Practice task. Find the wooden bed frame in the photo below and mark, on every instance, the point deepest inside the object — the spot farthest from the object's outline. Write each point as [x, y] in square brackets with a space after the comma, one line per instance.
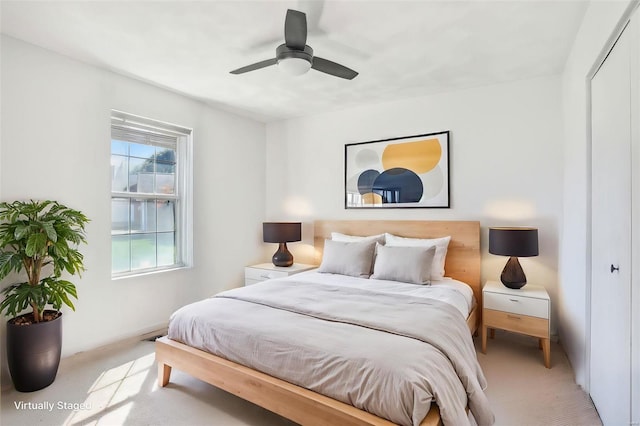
[302, 405]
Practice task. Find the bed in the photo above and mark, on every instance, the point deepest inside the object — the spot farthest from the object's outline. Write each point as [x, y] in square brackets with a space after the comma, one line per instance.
[298, 403]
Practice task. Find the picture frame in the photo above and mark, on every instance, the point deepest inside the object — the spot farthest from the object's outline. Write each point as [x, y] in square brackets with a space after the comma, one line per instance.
[402, 172]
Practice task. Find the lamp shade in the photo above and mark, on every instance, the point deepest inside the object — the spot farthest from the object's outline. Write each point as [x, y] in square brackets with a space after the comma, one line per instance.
[516, 242]
[281, 232]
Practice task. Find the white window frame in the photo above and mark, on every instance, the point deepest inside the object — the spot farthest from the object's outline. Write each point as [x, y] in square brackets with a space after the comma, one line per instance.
[183, 194]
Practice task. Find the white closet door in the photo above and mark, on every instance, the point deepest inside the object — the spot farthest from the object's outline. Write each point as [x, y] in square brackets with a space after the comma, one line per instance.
[610, 367]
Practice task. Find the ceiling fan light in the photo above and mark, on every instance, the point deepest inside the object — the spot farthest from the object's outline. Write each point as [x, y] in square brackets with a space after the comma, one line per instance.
[294, 66]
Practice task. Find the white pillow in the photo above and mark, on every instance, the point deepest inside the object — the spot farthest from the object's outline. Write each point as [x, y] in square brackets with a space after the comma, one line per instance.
[336, 236]
[348, 258]
[405, 264]
[441, 245]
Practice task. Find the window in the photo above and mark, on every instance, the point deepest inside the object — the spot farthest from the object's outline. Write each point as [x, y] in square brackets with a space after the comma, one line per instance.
[150, 195]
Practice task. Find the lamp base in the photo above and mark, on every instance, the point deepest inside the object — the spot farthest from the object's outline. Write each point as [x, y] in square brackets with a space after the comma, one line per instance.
[283, 256]
[512, 275]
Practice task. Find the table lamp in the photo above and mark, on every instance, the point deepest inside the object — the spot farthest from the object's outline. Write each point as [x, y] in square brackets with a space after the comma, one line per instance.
[513, 242]
[281, 233]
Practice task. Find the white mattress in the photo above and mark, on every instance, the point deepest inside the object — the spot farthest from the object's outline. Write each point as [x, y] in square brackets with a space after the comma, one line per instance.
[448, 290]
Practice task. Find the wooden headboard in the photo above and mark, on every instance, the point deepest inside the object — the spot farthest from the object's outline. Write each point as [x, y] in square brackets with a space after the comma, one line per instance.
[463, 255]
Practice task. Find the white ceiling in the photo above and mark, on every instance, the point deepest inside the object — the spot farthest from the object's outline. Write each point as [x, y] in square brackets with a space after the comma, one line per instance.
[400, 48]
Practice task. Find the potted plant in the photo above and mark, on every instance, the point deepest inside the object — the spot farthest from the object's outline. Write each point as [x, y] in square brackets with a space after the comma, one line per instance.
[38, 243]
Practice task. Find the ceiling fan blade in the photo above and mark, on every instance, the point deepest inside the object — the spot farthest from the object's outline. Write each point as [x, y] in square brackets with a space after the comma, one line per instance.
[255, 66]
[329, 67]
[295, 30]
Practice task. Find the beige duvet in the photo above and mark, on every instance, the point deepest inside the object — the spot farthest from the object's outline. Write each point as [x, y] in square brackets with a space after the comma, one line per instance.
[388, 354]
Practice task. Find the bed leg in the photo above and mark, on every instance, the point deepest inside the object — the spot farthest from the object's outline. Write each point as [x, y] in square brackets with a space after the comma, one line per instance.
[164, 374]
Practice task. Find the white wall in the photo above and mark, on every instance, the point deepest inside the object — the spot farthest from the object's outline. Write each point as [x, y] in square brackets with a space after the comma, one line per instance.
[505, 167]
[55, 145]
[597, 27]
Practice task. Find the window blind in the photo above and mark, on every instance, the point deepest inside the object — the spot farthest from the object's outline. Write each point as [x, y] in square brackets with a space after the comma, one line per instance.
[137, 135]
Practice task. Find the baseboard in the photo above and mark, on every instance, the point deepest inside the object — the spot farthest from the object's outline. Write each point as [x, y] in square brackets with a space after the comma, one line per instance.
[130, 339]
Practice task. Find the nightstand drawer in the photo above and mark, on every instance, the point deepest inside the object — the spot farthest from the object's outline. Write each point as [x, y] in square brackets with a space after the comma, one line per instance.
[531, 326]
[517, 304]
[263, 274]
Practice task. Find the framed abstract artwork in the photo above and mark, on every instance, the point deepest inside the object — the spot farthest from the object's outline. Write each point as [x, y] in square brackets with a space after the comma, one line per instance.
[404, 172]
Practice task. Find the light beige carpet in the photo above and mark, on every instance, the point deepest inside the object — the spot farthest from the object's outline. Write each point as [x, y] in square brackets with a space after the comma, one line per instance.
[523, 392]
[117, 386]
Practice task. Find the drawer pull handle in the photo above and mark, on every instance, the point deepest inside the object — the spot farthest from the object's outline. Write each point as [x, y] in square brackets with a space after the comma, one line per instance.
[265, 276]
[513, 317]
[514, 300]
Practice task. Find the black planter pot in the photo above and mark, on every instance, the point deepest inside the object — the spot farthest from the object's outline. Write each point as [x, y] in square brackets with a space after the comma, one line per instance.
[33, 353]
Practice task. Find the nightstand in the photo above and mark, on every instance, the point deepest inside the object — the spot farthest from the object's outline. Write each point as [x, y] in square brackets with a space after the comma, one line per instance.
[255, 273]
[524, 311]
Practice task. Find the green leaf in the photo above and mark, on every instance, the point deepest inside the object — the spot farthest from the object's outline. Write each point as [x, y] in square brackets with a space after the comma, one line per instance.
[50, 231]
[18, 298]
[21, 230]
[57, 291]
[35, 244]
[9, 261]
[68, 287]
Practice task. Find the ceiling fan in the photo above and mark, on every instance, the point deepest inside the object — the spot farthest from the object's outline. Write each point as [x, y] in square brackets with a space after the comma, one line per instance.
[294, 56]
